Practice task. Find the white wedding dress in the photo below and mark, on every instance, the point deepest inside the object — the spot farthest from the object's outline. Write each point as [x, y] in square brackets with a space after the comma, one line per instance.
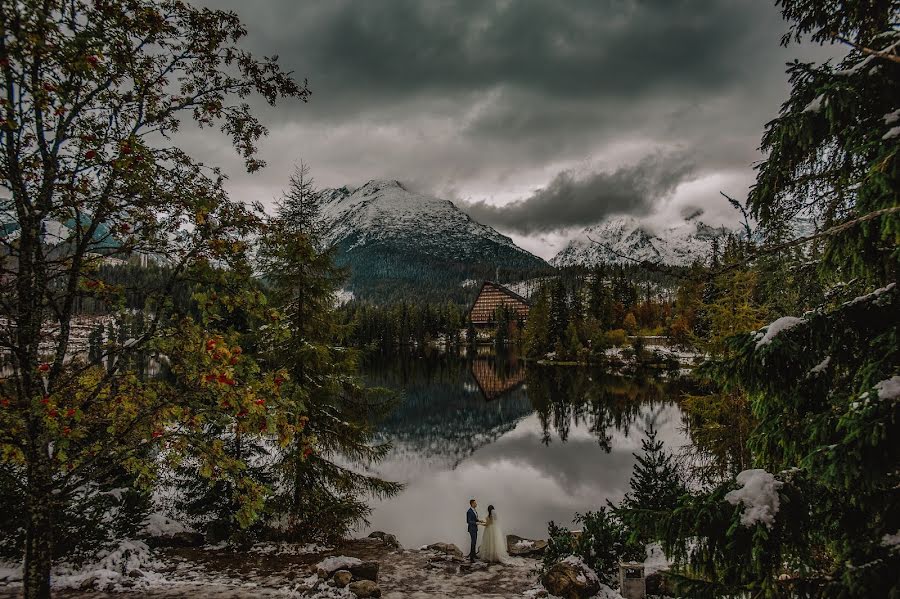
[493, 545]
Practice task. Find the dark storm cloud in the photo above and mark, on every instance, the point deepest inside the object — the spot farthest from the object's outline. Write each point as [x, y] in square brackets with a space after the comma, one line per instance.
[572, 201]
[489, 99]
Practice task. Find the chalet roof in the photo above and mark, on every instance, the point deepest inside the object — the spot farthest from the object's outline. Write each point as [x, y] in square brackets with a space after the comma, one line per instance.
[490, 297]
[505, 290]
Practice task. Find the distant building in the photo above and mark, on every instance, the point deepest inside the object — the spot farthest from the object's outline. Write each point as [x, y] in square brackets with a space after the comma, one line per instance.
[492, 296]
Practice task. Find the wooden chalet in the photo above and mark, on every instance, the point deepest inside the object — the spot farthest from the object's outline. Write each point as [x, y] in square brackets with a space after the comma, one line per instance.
[492, 296]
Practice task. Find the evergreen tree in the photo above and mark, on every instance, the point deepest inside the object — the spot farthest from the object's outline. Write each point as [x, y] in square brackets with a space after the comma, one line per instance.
[321, 491]
[559, 311]
[537, 330]
[656, 481]
[817, 516]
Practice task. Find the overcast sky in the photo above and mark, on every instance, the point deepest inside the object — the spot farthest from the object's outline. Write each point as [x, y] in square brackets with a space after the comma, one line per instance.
[537, 117]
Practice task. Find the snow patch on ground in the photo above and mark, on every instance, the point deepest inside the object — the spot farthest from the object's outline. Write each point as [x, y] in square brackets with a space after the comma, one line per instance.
[773, 329]
[759, 495]
[656, 559]
[158, 524]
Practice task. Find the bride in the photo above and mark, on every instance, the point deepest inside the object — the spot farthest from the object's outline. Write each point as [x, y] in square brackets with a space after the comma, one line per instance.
[493, 547]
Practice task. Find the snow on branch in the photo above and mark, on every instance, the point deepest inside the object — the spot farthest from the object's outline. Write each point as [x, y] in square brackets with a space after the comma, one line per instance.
[759, 495]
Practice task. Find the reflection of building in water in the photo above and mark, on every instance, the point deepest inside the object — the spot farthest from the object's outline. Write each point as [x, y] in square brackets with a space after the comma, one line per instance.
[495, 380]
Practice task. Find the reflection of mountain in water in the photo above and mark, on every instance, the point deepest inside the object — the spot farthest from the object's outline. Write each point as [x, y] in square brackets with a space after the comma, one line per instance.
[442, 416]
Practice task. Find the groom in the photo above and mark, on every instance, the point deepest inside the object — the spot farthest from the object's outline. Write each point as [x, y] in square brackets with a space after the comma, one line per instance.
[472, 522]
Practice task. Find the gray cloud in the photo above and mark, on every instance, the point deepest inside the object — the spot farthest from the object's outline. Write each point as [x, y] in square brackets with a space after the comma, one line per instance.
[570, 200]
[491, 99]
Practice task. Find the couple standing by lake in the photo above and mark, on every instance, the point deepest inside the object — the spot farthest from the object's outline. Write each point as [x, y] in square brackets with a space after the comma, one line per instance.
[493, 545]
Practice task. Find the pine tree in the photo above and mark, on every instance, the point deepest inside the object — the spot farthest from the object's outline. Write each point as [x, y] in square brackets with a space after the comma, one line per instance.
[656, 481]
[537, 330]
[817, 516]
[559, 311]
[322, 491]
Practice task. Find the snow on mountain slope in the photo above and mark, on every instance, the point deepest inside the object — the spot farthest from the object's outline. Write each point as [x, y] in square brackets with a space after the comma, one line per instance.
[396, 241]
[624, 238]
[383, 209]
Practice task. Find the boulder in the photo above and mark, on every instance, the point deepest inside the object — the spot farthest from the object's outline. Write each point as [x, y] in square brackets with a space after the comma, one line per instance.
[365, 571]
[448, 548]
[386, 538]
[571, 579]
[365, 588]
[330, 565]
[519, 546]
[342, 578]
[178, 539]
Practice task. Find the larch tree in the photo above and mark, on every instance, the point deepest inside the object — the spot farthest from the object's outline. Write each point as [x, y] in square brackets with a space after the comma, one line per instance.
[93, 95]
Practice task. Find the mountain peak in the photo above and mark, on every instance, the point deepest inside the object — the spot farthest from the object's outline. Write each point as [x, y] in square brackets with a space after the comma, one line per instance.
[622, 238]
[373, 185]
[385, 232]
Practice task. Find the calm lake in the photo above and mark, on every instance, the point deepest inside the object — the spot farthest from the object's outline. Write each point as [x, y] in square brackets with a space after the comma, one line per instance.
[539, 443]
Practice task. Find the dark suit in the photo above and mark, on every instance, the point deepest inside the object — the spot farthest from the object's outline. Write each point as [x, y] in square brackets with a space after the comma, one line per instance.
[472, 523]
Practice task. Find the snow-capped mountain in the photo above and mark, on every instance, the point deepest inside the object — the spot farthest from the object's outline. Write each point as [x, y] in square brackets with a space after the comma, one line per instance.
[624, 239]
[394, 239]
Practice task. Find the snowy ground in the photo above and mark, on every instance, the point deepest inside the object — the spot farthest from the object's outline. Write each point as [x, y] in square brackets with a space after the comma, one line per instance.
[277, 571]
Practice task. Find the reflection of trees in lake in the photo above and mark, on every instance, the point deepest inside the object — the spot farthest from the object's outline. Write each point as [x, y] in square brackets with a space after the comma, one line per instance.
[442, 414]
[450, 406]
[602, 401]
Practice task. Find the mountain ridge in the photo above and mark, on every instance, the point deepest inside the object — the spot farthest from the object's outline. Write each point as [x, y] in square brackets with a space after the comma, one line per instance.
[397, 242]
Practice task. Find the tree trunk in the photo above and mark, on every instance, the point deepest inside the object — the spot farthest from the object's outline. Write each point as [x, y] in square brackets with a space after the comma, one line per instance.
[39, 533]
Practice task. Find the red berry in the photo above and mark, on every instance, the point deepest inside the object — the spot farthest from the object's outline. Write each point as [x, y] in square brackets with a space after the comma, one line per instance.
[4, 402]
[233, 361]
[45, 400]
[260, 402]
[53, 413]
[242, 413]
[210, 378]
[70, 412]
[44, 367]
[90, 154]
[66, 431]
[307, 451]
[157, 434]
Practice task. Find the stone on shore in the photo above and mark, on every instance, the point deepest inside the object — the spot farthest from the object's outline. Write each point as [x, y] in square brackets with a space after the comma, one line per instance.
[364, 589]
[448, 548]
[365, 571]
[342, 578]
[386, 538]
[571, 579]
[519, 546]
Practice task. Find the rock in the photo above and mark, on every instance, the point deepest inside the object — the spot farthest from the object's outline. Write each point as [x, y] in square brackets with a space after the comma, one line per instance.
[448, 548]
[178, 539]
[135, 574]
[365, 571]
[365, 588]
[342, 578]
[571, 579]
[386, 538]
[519, 546]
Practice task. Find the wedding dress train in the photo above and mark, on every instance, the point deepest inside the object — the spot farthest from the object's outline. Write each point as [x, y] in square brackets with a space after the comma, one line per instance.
[493, 545]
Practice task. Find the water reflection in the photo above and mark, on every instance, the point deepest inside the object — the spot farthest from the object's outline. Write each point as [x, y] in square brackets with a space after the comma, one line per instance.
[540, 443]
